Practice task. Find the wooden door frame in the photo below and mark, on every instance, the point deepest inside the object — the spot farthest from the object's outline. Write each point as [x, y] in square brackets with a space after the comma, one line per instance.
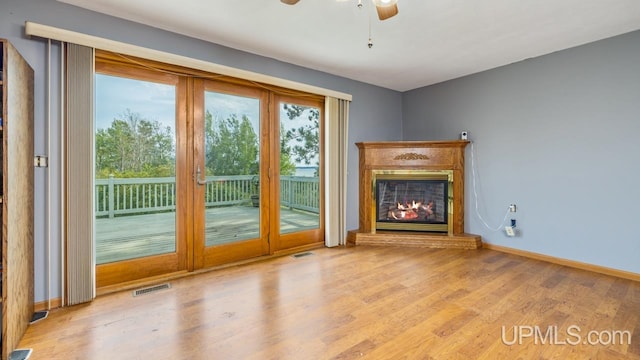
[191, 254]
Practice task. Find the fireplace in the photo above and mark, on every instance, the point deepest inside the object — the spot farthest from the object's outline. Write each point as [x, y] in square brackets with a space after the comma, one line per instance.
[413, 200]
[412, 194]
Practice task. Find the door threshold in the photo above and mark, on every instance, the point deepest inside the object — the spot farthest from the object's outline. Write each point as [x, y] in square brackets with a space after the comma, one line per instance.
[130, 285]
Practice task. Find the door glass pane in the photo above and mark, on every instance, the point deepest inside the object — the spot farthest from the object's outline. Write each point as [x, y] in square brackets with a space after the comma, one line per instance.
[299, 168]
[135, 183]
[232, 165]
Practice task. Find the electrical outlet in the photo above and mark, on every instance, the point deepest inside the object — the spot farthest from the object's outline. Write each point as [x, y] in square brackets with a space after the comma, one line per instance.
[509, 230]
[464, 135]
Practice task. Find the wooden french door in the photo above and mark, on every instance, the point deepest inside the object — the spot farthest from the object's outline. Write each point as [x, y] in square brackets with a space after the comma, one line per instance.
[142, 173]
[297, 213]
[194, 172]
[231, 168]
[248, 133]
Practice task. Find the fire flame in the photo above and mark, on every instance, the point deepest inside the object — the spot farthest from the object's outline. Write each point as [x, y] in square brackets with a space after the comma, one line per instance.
[409, 211]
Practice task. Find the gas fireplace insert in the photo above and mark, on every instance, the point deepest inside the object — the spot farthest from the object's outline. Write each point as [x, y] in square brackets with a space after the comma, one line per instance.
[413, 200]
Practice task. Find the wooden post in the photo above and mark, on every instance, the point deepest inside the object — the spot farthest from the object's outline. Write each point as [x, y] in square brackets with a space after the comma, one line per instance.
[111, 195]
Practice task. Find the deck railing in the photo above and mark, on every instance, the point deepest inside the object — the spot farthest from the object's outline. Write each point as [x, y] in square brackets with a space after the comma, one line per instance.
[300, 192]
[129, 196]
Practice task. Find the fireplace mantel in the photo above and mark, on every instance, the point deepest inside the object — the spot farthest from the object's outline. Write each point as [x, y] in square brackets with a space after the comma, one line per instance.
[412, 155]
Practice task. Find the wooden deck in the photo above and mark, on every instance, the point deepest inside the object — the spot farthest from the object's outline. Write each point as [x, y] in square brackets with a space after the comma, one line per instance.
[135, 236]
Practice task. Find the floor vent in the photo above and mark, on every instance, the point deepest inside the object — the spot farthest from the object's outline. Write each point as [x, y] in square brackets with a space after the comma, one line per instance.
[20, 354]
[151, 289]
[38, 315]
[302, 254]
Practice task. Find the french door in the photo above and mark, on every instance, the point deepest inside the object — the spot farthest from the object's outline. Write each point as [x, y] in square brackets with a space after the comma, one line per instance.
[231, 172]
[194, 172]
[250, 137]
[298, 192]
[141, 174]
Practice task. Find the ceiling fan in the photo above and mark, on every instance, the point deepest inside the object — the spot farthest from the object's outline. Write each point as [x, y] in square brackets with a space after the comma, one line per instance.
[385, 8]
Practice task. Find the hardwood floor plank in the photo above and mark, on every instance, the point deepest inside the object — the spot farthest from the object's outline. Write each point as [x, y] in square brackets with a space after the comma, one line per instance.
[354, 302]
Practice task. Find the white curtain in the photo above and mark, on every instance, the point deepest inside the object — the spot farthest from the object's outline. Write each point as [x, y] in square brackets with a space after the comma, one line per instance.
[336, 126]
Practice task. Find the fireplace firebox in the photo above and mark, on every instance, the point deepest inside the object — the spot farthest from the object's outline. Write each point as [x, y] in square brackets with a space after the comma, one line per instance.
[413, 200]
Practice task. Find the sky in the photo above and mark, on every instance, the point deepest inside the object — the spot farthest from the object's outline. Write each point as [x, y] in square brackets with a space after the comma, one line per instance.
[154, 101]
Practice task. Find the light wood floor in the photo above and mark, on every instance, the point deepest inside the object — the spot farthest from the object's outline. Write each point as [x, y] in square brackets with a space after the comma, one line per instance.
[355, 303]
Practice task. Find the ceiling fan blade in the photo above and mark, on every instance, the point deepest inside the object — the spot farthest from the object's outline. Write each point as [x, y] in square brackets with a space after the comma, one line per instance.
[290, 2]
[386, 11]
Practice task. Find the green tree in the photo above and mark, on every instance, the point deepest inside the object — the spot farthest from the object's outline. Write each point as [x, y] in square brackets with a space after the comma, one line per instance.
[134, 147]
[304, 141]
[287, 166]
[231, 146]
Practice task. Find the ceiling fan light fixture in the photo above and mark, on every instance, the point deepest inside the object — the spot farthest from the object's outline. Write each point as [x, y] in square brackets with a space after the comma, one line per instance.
[385, 2]
[386, 8]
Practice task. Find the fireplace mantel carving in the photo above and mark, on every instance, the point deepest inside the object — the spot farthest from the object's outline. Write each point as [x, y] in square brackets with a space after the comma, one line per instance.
[418, 156]
[411, 156]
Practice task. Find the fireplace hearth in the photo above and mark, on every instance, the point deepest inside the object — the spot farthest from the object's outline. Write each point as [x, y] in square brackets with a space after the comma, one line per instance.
[412, 194]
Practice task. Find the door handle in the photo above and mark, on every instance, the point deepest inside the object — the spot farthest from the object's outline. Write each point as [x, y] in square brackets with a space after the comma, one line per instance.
[198, 180]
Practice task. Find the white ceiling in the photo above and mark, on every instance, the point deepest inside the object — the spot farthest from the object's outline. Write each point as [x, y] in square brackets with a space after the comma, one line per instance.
[429, 41]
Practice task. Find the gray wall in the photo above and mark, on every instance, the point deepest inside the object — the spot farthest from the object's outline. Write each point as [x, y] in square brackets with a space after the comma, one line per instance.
[375, 112]
[556, 135]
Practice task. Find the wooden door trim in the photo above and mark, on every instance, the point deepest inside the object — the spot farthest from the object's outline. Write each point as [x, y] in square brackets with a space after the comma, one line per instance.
[135, 269]
[197, 160]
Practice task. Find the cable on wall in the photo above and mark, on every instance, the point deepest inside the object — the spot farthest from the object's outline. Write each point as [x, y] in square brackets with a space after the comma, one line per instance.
[475, 196]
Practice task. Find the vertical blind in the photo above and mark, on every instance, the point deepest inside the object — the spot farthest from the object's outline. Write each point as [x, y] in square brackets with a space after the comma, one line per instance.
[80, 252]
[337, 123]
